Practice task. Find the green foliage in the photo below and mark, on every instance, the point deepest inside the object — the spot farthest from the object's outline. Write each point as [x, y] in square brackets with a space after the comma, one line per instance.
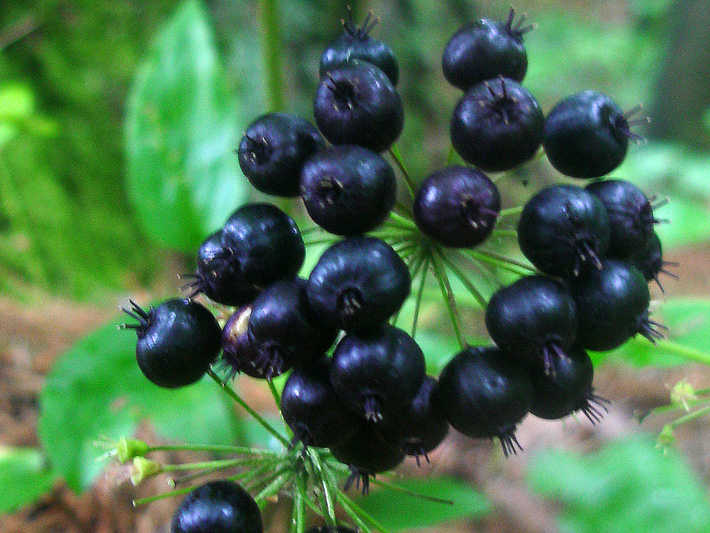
[96, 389]
[626, 486]
[24, 476]
[181, 131]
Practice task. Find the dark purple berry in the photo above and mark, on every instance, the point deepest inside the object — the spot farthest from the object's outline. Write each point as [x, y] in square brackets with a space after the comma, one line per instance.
[457, 206]
[177, 341]
[273, 150]
[312, 410]
[265, 243]
[486, 49]
[348, 190]
[358, 283]
[483, 395]
[497, 125]
[650, 262]
[238, 354]
[612, 307]
[587, 135]
[377, 372]
[218, 507]
[564, 230]
[533, 320]
[356, 43]
[357, 104]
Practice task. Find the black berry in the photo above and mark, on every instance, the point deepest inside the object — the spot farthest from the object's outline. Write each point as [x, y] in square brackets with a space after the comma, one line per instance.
[649, 260]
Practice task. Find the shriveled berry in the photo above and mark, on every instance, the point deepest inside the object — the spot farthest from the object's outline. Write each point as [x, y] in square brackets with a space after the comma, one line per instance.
[486, 49]
[587, 135]
[177, 341]
[218, 507]
[273, 150]
[357, 104]
[348, 189]
[311, 408]
[377, 372]
[564, 230]
[497, 125]
[533, 320]
[483, 395]
[356, 43]
[358, 283]
[612, 307]
[457, 206]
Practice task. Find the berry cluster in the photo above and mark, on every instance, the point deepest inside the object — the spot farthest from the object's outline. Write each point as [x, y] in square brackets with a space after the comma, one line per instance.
[357, 383]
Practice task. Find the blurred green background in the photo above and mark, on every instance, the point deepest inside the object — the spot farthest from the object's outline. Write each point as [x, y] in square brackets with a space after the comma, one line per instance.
[110, 177]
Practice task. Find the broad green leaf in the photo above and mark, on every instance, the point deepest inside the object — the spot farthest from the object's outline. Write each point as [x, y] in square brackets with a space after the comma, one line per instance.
[96, 390]
[24, 476]
[626, 486]
[182, 127]
[398, 511]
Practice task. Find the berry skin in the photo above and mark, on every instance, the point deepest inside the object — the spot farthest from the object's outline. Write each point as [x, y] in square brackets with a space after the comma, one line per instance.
[238, 355]
[265, 243]
[612, 307]
[535, 319]
[312, 410]
[497, 125]
[377, 372]
[483, 395]
[177, 341]
[218, 507]
[348, 190]
[356, 43]
[630, 212]
[358, 283]
[273, 150]
[564, 231]
[486, 49]
[587, 135]
[357, 104]
[457, 206]
[649, 261]
[283, 331]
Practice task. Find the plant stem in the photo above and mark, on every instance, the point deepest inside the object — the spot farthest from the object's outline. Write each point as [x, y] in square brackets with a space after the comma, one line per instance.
[274, 393]
[466, 282]
[505, 232]
[347, 503]
[426, 261]
[690, 416]
[271, 30]
[328, 495]
[214, 448]
[510, 211]
[403, 490]
[393, 151]
[443, 279]
[500, 260]
[683, 351]
[210, 465]
[232, 394]
[403, 220]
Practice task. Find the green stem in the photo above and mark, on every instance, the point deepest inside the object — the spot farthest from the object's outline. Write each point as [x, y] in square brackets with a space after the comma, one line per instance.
[299, 511]
[403, 490]
[510, 211]
[209, 465]
[275, 394]
[450, 155]
[426, 261]
[232, 394]
[157, 497]
[684, 351]
[443, 279]
[347, 503]
[690, 416]
[320, 476]
[270, 29]
[404, 221]
[215, 448]
[505, 232]
[501, 261]
[466, 282]
[393, 151]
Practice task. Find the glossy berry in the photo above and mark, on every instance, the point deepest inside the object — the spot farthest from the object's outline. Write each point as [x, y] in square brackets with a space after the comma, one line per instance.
[612, 307]
[217, 274]
[367, 453]
[238, 354]
[218, 507]
[284, 331]
[265, 243]
[533, 320]
[564, 231]
[273, 150]
[568, 391]
[358, 283]
[419, 427]
[348, 189]
[312, 410]
[457, 206]
[377, 372]
[483, 395]
[357, 104]
[630, 212]
[486, 49]
[587, 135]
[650, 262]
[497, 125]
[356, 43]
[177, 341]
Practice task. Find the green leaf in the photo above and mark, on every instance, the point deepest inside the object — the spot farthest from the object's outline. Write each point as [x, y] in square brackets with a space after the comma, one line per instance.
[685, 227]
[626, 486]
[397, 510]
[97, 390]
[182, 127]
[24, 476]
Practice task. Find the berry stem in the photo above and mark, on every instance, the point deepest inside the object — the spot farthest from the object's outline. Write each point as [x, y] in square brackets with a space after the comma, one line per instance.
[214, 448]
[502, 261]
[232, 394]
[401, 221]
[299, 512]
[393, 151]
[505, 232]
[364, 520]
[275, 393]
[426, 261]
[689, 417]
[164, 495]
[466, 282]
[510, 211]
[212, 465]
[443, 279]
[272, 47]
[684, 351]
[398, 488]
[329, 488]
